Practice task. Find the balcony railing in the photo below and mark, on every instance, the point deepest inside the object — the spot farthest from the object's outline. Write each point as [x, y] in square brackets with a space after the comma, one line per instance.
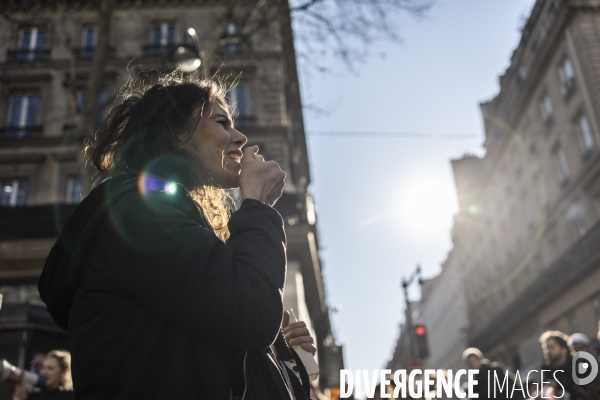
[20, 132]
[29, 222]
[87, 53]
[574, 265]
[158, 50]
[27, 55]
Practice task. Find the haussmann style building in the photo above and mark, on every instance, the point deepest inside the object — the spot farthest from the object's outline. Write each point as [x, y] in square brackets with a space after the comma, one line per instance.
[528, 228]
[46, 61]
[526, 253]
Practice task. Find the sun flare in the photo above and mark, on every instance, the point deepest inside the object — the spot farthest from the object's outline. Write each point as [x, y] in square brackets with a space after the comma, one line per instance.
[426, 205]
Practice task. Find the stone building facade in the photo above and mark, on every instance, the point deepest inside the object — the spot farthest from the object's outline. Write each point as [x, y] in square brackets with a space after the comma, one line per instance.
[525, 254]
[40, 158]
[443, 311]
[528, 228]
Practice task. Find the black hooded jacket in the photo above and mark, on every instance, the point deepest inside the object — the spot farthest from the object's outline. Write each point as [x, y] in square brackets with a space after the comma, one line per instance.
[157, 307]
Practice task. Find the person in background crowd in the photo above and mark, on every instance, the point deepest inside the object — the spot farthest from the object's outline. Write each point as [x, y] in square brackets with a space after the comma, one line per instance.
[474, 359]
[377, 393]
[56, 370]
[553, 391]
[580, 342]
[557, 359]
[532, 388]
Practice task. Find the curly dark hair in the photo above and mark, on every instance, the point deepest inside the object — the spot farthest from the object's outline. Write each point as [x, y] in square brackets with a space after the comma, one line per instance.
[150, 126]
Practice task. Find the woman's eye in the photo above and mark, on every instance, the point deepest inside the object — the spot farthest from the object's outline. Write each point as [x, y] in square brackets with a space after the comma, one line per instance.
[223, 122]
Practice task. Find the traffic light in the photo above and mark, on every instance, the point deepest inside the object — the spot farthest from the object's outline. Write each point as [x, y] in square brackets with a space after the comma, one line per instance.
[422, 345]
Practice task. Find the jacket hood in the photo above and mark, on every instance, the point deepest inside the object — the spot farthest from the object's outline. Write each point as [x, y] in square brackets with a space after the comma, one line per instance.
[60, 276]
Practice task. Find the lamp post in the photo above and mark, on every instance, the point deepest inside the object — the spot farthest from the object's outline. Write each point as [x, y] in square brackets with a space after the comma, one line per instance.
[408, 323]
[188, 57]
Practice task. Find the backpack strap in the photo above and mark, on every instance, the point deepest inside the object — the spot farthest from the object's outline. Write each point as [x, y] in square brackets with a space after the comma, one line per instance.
[303, 374]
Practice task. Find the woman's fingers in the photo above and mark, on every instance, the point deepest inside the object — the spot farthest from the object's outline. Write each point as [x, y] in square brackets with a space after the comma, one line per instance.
[300, 339]
[293, 325]
[309, 347]
[297, 332]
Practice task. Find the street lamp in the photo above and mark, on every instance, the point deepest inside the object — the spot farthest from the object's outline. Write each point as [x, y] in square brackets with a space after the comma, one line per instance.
[188, 57]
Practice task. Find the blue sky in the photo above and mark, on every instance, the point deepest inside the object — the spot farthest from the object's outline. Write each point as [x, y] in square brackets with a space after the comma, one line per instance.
[385, 204]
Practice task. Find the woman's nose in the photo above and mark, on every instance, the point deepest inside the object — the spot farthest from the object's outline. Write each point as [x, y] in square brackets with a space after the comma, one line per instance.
[239, 138]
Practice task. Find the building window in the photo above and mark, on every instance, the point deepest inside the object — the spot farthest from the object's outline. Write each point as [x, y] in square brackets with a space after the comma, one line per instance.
[89, 38]
[561, 162]
[22, 115]
[102, 103]
[566, 73]
[576, 214]
[579, 226]
[13, 192]
[586, 135]
[523, 71]
[74, 189]
[238, 98]
[547, 110]
[31, 44]
[80, 100]
[530, 138]
[163, 36]
[232, 41]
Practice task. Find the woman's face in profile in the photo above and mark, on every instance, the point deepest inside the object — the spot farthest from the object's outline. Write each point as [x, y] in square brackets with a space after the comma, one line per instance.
[217, 144]
[51, 372]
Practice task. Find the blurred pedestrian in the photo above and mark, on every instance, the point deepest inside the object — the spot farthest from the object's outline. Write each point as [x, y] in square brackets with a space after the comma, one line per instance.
[557, 359]
[489, 375]
[532, 391]
[165, 293]
[580, 342]
[58, 385]
[554, 391]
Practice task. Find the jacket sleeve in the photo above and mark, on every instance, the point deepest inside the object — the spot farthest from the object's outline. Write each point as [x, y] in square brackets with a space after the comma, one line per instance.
[225, 294]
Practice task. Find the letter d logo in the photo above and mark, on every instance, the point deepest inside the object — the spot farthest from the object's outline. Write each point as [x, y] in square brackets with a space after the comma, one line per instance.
[582, 363]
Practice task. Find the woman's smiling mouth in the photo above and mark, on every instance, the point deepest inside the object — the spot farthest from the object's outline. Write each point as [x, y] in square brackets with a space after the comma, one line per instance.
[235, 155]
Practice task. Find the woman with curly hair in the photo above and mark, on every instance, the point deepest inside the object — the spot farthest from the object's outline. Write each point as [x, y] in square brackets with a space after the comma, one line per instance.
[165, 293]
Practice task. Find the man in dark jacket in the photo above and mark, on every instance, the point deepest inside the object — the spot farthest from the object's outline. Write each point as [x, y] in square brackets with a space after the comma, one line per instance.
[558, 360]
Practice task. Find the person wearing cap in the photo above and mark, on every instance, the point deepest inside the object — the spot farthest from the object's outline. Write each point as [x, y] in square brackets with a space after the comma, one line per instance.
[484, 388]
[580, 342]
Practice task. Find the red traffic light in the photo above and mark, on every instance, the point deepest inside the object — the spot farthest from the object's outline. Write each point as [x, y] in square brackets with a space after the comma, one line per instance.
[420, 330]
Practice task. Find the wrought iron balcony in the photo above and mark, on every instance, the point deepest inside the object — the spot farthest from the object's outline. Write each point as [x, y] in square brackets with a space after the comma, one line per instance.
[27, 55]
[158, 50]
[30, 222]
[87, 53]
[21, 132]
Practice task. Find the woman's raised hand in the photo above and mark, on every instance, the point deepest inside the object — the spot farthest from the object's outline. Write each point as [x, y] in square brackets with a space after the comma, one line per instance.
[297, 334]
[260, 180]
